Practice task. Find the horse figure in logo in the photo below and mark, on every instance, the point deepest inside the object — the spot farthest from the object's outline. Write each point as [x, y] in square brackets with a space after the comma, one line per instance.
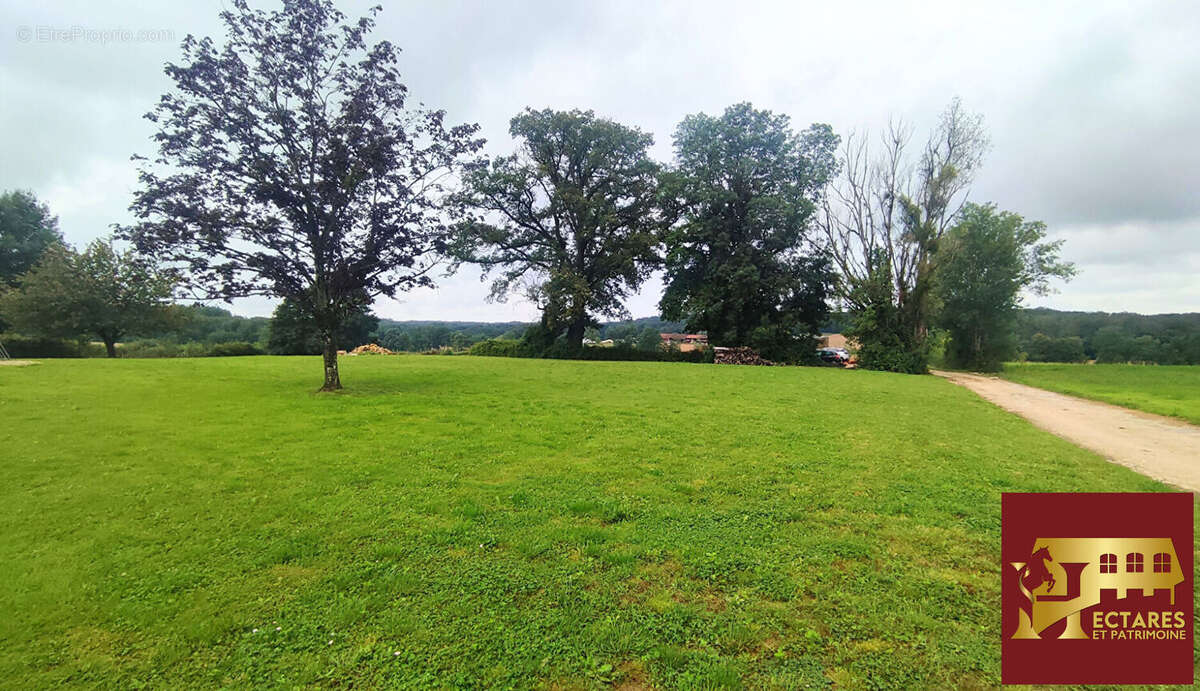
[1035, 572]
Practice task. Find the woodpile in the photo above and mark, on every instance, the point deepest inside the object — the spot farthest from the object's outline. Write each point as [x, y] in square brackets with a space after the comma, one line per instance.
[742, 355]
[370, 349]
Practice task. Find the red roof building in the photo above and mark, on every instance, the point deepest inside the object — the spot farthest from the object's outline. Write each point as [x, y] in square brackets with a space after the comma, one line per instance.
[685, 342]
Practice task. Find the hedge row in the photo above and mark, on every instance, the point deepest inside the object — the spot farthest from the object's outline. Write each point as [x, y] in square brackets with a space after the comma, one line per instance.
[498, 347]
[157, 349]
[26, 347]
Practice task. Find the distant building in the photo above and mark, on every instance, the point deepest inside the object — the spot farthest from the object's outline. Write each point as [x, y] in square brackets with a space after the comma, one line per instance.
[833, 341]
[684, 342]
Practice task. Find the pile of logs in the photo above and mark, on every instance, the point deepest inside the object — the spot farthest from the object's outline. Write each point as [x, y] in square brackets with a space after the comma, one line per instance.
[370, 349]
[743, 355]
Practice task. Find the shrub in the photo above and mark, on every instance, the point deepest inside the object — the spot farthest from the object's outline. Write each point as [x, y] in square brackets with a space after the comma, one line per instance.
[233, 349]
[150, 348]
[499, 347]
[29, 347]
[893, 358]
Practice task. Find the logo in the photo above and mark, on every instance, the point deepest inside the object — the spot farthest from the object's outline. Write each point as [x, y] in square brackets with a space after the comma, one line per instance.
[1097, 588]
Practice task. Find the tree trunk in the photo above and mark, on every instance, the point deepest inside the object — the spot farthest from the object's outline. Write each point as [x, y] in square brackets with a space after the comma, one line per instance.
[110, 346]
[575, 333]
[333, 381]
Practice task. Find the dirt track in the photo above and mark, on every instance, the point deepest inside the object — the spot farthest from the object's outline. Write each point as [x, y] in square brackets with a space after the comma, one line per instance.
[1155, 446]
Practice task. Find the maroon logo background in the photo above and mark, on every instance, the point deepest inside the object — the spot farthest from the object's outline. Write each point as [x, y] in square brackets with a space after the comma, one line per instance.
[1027, 518]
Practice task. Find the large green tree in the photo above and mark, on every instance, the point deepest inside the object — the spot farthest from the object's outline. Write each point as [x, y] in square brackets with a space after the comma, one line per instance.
[987, 260]
[745, 186]
[570, 218]
[292, 164]
[101, 292]
[27, 229]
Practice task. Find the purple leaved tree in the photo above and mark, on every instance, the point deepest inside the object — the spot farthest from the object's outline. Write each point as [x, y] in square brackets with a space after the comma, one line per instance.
[290, 164]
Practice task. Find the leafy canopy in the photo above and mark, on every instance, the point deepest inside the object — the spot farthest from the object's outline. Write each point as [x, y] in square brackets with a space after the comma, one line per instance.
[26, 231]
[745, 186]
[987, 260]
[571, 217]
[291, 164]
[100, 292]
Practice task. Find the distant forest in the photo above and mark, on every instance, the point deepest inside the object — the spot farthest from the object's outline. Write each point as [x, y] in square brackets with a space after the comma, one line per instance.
[1043, 335]
[205, 324]
[211, 325]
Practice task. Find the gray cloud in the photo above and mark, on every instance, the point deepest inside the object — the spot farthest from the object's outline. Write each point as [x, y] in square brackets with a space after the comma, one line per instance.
[1090, 105]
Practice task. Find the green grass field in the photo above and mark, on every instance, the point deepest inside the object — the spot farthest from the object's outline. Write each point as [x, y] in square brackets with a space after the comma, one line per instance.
[486, 522]
[1157, 389]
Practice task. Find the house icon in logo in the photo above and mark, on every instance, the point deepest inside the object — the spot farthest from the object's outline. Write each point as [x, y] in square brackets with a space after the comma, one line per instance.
[1065, 575]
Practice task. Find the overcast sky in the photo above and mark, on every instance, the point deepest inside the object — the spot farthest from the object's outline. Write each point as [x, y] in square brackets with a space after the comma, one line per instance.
[1093, 107]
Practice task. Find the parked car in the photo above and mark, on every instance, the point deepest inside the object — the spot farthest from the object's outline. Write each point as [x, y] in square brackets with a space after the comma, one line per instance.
[834, 356]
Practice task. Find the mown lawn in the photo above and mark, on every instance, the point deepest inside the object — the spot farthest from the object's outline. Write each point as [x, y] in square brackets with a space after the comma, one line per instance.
[1173, 390]
[475, 522]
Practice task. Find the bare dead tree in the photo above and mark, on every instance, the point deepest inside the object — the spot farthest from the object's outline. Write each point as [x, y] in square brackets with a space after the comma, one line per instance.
[887, 211]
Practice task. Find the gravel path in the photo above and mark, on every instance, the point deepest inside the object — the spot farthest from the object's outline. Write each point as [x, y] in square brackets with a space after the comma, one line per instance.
[1156, 446]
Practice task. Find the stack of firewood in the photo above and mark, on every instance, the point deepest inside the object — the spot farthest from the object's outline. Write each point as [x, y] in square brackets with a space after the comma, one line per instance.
[370, 349]
[743, 355]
